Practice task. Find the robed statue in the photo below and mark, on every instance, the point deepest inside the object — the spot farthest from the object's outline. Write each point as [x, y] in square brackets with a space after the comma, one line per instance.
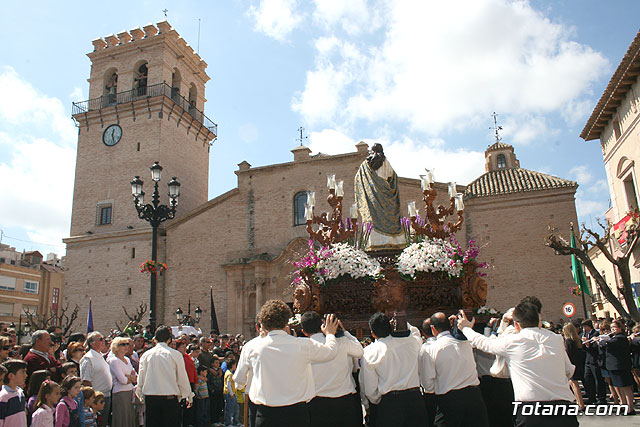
[378, 200]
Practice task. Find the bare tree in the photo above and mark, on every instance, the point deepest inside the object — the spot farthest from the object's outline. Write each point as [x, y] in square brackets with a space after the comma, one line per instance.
[134, 318]
[619, 257]
[64, 319]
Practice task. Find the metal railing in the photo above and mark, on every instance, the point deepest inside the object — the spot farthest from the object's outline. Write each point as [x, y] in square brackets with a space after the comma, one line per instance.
[127, 97]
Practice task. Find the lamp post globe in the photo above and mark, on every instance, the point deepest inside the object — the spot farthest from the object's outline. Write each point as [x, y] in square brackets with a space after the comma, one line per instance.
[156, 172]
[198, 313]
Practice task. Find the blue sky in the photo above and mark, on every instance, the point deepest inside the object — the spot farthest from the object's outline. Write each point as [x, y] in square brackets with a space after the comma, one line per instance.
[422, 77]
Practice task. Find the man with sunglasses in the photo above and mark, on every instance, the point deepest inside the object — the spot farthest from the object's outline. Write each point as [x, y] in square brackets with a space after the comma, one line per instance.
[39, 358]
[95, 371]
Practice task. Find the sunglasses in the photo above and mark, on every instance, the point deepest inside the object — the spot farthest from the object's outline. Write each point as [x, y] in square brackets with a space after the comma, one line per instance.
[123, 344]
[6, 347]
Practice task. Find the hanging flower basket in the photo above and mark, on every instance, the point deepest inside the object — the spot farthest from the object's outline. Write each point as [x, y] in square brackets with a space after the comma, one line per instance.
[151, 267]
[575, 290]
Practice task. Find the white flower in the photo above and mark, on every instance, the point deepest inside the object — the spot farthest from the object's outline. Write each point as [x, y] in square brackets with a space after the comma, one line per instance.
[347, 260]
[430, 255]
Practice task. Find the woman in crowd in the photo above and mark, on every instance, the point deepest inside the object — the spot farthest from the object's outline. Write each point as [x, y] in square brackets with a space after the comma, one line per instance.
[618, 363]
[124, 377]
[635, 353]
[577, 356]
[603, 338]
[75, 351]
[5, 348]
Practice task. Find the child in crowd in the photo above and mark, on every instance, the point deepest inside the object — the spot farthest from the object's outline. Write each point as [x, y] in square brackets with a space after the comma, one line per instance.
[46, 400]
[3, 372]
[67, 411]
[35, 381]
[12, 398]
[89, 417]
[98, 406]
[216, 385]
[231, 410]
[69, 369]
[202, 399]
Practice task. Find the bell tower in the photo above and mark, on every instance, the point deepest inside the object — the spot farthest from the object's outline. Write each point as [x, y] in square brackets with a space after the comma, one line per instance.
[146, 103]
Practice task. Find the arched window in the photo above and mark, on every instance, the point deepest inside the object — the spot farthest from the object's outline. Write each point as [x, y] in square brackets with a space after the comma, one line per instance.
[140, 79]
[175, 84]
[110, 86]
[502, 161]
[193, 97]
[299, 201]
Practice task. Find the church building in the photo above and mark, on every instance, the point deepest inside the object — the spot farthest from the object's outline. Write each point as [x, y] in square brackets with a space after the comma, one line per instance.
[147, 96]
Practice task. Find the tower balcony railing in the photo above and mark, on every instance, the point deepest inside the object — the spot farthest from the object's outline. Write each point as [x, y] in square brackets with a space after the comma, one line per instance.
[137, 94]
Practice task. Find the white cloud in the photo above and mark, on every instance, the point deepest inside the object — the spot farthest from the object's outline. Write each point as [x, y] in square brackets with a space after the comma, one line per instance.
[76, 94]
[447, 64]
[276, 18]
[352, 16]
[589, 207]
[37, 142]
[409, 158]
[581, 174]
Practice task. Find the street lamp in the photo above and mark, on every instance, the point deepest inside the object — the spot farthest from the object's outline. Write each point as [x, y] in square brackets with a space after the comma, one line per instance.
[198, 312]
[154, 213]
[186, 319]
[179, 315]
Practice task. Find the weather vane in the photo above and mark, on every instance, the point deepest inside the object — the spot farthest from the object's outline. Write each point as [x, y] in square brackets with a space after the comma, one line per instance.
[302, 138]
[165, 12]
[495, 127]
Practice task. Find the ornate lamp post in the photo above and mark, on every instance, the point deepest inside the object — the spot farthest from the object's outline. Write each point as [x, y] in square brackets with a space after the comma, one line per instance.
[154, 213]
[187, 320]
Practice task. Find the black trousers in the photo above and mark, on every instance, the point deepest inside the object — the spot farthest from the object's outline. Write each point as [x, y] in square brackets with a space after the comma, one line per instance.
[461, 408]
[336, 411]
[594, 384]
[546, 420]
[498, 399]
[252, 412]
[162, 411]
[296, 415]
[404, 408]
[431, 406]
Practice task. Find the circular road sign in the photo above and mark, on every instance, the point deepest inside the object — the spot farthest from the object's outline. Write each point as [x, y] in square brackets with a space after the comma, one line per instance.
[569, 309]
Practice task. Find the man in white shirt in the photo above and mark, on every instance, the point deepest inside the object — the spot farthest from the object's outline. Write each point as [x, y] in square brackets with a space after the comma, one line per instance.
[336, 402]
[95, 371]
[389, 375]
[163, 382]
[280, 364]
[448, 369]
[539, 366]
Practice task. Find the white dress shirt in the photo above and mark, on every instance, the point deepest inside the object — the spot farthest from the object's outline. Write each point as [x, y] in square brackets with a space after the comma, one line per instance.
[162, 373]
[539, 366]
[281, 367]
[248, 373]
[447, 364]
[119, 372]
[94, 368]
[333, 378]
[390, 363]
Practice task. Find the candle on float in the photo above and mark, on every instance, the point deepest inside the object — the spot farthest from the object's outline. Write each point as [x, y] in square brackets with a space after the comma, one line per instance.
[427, 179]
[412, 209]
[459, 202]
[331, 181]
[311, 198]
[354, 211]
[452, 189]
[308, 212]
[340, 188]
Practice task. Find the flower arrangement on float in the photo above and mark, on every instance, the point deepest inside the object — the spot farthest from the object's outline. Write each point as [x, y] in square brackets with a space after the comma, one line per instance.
[430, 255]
[150, 266]
[330, 264]
[485, 310]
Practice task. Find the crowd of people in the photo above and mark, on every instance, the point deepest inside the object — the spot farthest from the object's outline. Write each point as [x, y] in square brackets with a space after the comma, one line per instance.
[313, 372]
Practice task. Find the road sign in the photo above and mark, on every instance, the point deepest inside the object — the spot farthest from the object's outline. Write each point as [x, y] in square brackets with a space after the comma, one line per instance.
[569, 309]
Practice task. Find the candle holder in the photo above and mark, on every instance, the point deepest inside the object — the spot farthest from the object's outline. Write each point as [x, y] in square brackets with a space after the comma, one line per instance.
[332, 229]
[436, 225]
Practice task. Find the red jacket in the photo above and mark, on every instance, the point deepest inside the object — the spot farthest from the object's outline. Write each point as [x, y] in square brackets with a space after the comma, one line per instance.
[35, 362]
[192, 374]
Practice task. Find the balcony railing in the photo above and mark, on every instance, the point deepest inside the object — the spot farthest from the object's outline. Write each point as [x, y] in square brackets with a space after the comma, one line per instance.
[130, 96]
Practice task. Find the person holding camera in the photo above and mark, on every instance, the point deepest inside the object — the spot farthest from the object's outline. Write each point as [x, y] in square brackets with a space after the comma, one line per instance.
[280, 367]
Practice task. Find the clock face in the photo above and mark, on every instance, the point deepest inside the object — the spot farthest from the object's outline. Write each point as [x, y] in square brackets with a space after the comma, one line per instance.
[112, 135]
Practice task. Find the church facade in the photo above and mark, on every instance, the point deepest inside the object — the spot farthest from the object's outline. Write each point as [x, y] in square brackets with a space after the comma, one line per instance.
[241, 244]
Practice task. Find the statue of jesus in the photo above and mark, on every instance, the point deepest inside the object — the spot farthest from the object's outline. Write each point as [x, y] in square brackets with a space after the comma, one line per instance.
[378, 200]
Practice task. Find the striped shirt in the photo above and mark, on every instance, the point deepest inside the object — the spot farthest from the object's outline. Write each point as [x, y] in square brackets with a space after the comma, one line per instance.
[12, 407]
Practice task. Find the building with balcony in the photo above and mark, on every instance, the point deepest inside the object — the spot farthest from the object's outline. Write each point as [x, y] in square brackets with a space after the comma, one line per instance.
[615, 122]
[28, 283]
